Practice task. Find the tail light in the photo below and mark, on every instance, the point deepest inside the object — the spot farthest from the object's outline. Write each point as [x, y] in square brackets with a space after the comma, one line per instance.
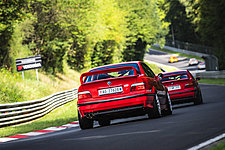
[84, 95]
[189, 85]
[138, 86]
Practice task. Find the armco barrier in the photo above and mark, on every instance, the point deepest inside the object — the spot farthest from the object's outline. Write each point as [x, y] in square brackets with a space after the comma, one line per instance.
[211, 74]
[20, 112]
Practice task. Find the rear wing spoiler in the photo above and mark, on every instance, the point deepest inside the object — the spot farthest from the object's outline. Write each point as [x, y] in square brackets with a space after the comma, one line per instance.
[106, 71]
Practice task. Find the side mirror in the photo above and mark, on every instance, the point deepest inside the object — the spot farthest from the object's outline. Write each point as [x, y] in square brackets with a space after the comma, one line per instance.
[160, 75]
[198, 78]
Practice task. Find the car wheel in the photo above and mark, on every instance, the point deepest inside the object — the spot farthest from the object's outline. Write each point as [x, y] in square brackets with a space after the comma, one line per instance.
[169, 110]
[198, 100]
[156, 111]
[104, 122]
[84, 122]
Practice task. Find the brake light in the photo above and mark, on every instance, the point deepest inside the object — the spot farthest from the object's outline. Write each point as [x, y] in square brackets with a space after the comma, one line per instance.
[138, 86]
[84, 95]
[189, 85]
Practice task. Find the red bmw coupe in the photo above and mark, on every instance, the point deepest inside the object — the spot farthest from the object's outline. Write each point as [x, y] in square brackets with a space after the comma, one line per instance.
[182, 86]
[118, 91]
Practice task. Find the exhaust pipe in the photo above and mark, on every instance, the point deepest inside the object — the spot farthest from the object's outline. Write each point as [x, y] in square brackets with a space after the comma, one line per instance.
[89, 115]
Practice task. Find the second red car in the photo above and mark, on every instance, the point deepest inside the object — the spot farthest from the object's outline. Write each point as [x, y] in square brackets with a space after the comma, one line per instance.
[182, 86]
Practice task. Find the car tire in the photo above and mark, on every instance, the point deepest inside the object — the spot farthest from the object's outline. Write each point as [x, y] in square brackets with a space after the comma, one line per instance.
[85, 123]
[169, 110]
[155, 112]
[198, 99]
[104, 122]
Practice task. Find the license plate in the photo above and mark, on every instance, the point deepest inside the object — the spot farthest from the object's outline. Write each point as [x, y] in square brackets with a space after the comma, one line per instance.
[110, 90]
[170, 88]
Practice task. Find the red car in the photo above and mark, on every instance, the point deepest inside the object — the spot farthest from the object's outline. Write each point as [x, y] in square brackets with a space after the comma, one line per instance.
[182, 86]
[119, 91]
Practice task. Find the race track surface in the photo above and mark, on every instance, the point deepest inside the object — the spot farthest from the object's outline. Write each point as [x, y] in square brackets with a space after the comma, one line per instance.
[189, 125]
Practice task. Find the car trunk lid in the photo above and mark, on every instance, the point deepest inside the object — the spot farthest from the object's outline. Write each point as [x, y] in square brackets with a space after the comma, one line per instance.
[109, 82]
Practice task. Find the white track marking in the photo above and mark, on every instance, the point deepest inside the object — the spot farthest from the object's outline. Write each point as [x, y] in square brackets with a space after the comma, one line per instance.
[56, 128]
[33, 133]
[7, 139]
[206, 143]
[71, 125]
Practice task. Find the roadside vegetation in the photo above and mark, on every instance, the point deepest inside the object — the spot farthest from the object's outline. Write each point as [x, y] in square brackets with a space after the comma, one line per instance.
[219, 146]
[213, 81]
[14, 89]
[179, 54]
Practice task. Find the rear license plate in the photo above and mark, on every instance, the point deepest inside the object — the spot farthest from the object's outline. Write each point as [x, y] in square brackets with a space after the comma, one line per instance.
[113, 90]
[170, 88]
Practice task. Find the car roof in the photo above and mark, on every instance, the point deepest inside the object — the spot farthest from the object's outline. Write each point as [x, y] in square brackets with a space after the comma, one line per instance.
[174, 72]
[130, 62]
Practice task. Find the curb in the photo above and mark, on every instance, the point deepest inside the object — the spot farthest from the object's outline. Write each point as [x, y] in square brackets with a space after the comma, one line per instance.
[40, 132]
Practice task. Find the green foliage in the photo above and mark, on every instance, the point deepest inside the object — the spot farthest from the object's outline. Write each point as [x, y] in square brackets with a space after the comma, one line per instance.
[219, 146]
[48, 35]
[103, 53]
[11, 11]
[200, 22]
[145, 25]
[181, 26]
[83, 33]
[9, 91]
[211, 27]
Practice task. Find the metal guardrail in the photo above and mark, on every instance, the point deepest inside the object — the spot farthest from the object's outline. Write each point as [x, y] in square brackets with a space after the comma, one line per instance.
[211, 74]
[20, 112]
[189, 46]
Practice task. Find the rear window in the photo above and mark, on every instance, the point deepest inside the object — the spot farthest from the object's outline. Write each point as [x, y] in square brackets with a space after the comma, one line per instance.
[112, 74]
[117, 66]
[175, 77]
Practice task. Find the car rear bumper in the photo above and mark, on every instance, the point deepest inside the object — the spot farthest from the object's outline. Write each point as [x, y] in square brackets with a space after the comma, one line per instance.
[118, 105]
[182, 97]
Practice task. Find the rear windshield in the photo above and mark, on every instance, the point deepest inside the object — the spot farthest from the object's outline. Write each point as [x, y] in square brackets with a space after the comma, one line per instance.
[112, 74]
[175, 77]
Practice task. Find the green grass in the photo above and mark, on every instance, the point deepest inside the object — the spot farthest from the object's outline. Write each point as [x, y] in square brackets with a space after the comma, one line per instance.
[219, 146]
[14, 89]
[156, 69]
[60, 116]
[213, 81]
[179, 54]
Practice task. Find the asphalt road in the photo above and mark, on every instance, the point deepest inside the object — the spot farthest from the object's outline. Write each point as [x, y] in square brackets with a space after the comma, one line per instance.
[189, 125]
[162, 57]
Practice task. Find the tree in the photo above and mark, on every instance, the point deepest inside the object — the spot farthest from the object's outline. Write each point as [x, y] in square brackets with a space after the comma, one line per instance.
[211, 27]
[145, 26]
[181, 26]
[207, 17]
[11, 11]
[49, 37]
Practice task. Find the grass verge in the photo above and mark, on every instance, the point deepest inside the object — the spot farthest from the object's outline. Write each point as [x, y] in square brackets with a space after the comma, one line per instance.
[156, 68]
[219, 146]
[60, 116]
[213, 81]
[14, 89]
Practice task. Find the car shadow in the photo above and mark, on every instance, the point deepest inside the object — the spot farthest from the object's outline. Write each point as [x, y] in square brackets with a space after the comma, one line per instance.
[185, 105]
